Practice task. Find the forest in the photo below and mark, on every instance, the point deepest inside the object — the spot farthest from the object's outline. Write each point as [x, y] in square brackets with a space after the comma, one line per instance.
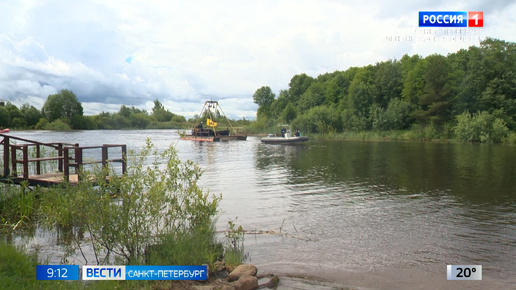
[469, 95]
[63, 111]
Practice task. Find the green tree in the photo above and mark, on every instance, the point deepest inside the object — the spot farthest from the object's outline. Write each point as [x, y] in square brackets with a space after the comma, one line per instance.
[279, 105]
[314, 96]
[336, 89]
[289, 113]
[5, 117]
[298, 86]
[387, 82]
[125, 111]
[473, 82]
[356, 106]
[17, 119]
[31, 115]
[397, 114]
[499, 68]
[414, 84]
[63, 105]
[159, 112]
[264, 98]
[435, 102]
[407, 63]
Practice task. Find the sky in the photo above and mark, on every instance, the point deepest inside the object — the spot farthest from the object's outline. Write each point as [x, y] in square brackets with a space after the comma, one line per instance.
[183, 53]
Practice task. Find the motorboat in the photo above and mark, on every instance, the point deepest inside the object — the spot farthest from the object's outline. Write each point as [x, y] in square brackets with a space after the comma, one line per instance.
[285, 138]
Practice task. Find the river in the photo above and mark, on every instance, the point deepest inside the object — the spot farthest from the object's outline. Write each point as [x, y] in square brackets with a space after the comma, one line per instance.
[369, 215]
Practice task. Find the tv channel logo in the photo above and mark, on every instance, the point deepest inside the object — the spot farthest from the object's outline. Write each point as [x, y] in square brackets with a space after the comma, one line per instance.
[451, 19]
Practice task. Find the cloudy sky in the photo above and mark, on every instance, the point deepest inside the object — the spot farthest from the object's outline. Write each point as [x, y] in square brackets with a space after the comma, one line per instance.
[185, 52]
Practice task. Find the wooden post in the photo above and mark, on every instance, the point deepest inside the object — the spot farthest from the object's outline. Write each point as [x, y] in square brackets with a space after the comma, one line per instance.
[104, 155]
[38, 163]
[66, 166]
[25, 158]
[60, 154]
[78, 161]
[77, 157]
[13, 161]
[6, 157]
[124, 159]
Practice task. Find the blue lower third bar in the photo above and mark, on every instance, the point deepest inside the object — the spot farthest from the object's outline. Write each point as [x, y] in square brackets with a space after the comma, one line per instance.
[57, 272]
[166, 272]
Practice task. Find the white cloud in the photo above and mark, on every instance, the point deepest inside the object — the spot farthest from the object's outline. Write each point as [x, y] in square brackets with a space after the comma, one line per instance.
[184, 52]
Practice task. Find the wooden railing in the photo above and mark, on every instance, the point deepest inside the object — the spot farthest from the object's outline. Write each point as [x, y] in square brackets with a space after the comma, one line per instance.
[78, 160]
[68, 156]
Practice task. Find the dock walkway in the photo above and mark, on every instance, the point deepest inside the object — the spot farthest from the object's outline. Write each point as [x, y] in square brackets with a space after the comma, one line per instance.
[19, 167]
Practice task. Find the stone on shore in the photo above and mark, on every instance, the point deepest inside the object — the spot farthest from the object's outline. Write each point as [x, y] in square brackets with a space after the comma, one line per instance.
[246, 282]
[244, 269]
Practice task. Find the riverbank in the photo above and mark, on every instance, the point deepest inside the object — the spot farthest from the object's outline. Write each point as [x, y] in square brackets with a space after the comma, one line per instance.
[405, 135]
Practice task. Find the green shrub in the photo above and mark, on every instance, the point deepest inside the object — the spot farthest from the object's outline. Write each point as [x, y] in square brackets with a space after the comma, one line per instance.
[511, 138]
[322, 119]
[128, 214]
[57, 125]
[234, 253]
[480, 127]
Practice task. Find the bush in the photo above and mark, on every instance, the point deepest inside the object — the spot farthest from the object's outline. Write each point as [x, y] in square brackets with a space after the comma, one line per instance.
[57, 125]
[480, 127]
[127, 215]
[322, 119]
[354, 121]
[511, 138]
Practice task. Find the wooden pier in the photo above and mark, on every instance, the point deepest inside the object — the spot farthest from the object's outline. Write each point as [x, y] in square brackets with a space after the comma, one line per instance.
[18, 167]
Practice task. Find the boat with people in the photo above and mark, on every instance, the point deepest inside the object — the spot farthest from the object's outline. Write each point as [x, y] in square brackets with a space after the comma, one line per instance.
[208, 131]
[286, 137]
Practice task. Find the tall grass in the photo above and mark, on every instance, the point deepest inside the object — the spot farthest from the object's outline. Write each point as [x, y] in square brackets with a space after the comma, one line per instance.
[195, 247]
[234, 253]
[18, 206]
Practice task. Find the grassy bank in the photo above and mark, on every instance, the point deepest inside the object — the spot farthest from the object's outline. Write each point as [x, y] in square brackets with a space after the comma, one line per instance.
[397, 135]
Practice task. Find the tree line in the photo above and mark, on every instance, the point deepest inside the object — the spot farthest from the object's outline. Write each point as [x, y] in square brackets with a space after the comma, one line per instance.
[63, 111]
[469, 95]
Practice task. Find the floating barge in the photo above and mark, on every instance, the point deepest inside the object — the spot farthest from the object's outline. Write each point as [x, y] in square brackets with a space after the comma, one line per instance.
[201, 138]
[210, 133]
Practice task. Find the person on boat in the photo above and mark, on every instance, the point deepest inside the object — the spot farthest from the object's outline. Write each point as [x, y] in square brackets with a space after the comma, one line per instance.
[199, 126]
[283, 131]
[297, 134]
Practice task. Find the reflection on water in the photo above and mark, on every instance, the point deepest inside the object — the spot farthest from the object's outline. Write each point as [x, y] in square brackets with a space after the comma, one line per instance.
[367, 214]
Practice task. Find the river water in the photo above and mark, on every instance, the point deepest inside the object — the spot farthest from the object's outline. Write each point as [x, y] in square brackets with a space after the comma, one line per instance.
[369, 215]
